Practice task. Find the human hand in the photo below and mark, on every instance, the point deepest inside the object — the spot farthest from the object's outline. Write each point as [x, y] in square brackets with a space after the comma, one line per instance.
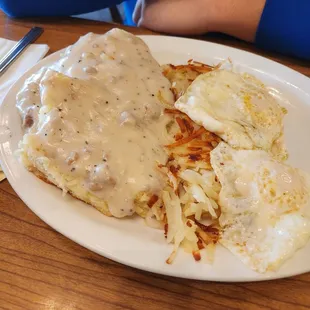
[235, 17]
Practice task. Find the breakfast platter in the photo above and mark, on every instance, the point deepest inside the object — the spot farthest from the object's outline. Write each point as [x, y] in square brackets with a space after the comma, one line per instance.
[175, 156]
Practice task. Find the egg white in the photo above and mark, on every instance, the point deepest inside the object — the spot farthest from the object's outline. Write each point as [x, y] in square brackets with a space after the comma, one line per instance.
[264, 204]
[237, 107]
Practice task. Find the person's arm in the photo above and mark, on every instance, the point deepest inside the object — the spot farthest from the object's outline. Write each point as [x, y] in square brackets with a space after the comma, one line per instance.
[280, 25]
[24, 8]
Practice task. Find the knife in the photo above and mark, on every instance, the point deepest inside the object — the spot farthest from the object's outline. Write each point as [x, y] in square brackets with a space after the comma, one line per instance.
[17, 49]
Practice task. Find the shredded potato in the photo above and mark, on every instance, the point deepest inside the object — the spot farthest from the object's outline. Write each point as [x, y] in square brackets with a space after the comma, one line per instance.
[193, 189]
[183, 75]
[192, 192]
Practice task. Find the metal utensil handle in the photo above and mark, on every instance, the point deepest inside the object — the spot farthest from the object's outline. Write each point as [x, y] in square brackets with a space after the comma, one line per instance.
[31, 36]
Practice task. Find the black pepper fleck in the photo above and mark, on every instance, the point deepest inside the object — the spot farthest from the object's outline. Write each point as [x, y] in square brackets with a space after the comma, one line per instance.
[153, 95]
[107, 102]
[86, 142]
[72, 169]
[65, 100]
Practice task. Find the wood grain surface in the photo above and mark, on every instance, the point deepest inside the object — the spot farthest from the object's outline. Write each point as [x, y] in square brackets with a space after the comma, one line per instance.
[41, 269]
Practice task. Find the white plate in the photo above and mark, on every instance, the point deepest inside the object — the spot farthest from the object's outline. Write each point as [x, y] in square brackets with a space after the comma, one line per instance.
[129, 241]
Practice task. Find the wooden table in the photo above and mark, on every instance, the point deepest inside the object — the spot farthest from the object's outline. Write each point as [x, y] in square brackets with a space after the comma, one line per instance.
[41, 269]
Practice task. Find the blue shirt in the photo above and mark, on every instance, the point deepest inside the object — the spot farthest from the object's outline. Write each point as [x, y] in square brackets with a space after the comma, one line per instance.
[24, 8]
[284, 26]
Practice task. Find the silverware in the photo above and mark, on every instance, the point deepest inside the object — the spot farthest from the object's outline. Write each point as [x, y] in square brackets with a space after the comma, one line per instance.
[30, 37]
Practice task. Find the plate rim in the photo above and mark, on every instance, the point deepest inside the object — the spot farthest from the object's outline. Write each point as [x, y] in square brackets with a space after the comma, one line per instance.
[5, 168]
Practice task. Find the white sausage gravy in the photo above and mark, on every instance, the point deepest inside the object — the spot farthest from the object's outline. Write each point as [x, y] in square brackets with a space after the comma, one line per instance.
[97, 116]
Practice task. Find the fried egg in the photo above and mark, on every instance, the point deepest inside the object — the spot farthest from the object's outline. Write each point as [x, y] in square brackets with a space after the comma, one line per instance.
[264, 203]
[236, 107]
